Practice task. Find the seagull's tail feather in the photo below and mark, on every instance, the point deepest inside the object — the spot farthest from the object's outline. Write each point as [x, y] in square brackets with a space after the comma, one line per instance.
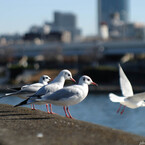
[22, 103]
[8, 94]
[115, 98]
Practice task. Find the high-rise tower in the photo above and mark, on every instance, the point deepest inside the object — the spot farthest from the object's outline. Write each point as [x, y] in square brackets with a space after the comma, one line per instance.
[66, 21]
[107, 9]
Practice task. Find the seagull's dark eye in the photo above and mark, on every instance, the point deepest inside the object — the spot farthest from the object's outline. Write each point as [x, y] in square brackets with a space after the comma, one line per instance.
[88, 79]
[46, 77]
[69, 75]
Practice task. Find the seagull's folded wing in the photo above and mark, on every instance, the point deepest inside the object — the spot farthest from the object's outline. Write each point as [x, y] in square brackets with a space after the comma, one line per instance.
[32, 87]
[21, 92]
[14, 89]
[125, 85]
[62, 94]
[137, 97]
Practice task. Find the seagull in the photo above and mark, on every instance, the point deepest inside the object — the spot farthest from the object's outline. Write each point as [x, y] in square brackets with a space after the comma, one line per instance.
[129, 99]
[30, 89]
[67, 96]
[53, 86]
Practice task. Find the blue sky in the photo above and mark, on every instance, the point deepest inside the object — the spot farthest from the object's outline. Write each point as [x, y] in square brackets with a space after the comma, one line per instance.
[19, 15]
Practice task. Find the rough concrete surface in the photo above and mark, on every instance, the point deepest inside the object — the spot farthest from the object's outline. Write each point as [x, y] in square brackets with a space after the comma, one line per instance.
[23, 126]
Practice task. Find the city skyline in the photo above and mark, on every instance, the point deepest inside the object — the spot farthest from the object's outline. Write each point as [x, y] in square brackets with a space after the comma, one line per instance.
[18, 16]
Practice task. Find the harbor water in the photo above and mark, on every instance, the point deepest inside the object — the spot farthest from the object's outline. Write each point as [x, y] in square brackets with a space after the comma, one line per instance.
[98, 109]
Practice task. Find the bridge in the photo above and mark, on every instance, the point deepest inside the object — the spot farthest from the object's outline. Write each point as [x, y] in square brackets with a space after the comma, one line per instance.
[70, 49]
[123, 47]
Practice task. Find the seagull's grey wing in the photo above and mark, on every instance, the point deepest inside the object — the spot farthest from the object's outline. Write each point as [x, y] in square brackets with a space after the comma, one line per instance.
[26, 91]
[60, 94]
[41, 91]
[137, 97]
[49, 88]
[125, 84]
[29, 89]
[14, 89]
[21, 92]
[34, 87]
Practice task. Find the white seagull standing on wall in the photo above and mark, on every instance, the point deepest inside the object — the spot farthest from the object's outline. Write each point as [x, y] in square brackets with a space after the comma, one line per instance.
[30, 89]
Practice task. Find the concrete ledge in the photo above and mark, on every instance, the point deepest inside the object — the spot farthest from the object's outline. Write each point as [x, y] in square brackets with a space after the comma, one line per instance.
[22, 126]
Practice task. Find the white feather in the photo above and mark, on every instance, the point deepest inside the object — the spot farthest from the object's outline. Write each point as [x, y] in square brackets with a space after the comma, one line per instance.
[115, 98]
[125, 84]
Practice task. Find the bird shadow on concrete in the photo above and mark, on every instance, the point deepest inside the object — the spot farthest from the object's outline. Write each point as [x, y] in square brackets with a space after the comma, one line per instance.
[22, 116]
[6, 111]
[35, 118]
[1, 115]
[29, 118]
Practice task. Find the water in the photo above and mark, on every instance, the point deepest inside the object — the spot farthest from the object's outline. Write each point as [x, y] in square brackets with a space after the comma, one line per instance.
[98, 109]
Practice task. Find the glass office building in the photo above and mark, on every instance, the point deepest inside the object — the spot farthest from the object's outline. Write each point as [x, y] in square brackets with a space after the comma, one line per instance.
[106, 8]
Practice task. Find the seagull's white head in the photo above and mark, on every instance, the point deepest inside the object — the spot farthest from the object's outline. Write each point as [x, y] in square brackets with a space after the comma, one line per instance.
[67, 75]
[44, 79]
[86, 80]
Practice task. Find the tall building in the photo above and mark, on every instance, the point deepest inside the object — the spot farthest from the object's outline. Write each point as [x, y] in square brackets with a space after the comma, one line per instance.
[107, 10]
[66, 22]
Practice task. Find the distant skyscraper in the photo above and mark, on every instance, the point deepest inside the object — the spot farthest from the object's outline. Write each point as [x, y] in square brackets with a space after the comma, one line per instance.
[66, 22]
[107, 9]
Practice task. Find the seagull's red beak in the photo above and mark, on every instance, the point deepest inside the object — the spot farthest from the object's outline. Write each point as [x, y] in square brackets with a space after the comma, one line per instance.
[73, 80]
[93, 83]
